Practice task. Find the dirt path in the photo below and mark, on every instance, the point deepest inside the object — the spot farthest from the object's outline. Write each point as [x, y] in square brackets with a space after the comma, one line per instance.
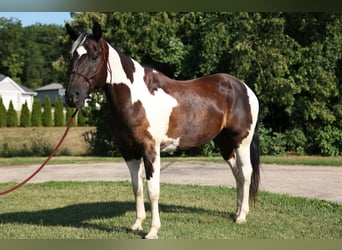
[307, 181]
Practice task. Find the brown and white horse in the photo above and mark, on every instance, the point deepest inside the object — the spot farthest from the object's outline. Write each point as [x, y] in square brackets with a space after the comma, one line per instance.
[150, 112]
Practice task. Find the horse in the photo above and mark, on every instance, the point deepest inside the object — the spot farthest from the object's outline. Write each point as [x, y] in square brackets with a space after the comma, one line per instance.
[150, 113]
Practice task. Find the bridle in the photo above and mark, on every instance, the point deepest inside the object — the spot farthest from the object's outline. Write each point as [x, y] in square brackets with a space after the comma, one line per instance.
[104, 56]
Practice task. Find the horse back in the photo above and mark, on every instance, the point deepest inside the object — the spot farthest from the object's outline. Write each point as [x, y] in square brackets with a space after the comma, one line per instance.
[206, 106]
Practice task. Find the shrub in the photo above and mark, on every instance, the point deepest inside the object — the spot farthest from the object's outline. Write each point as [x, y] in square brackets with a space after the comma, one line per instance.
[271, 143]
[25, 116]
[12, 117]
[296, 141]
[81, 118]
[36, 116]
[3, 114]
[58, 115]
[47, 114]
[329, 141]
[69, 112]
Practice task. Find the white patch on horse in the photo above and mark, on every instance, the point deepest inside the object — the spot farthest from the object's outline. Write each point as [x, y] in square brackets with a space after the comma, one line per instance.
[79, 42]
[81, 51]
[118, 76]
[169, 144]
[158, 106]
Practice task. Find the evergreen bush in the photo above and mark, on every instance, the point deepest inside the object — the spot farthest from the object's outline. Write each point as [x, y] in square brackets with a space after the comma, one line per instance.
[25, 116]
[36, 116]
[47, 113]
[3, 114]
[59, 115]
[69, 112]
[12, 117]
[81, 118]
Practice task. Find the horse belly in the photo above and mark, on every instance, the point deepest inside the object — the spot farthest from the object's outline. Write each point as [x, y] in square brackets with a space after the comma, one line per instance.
[193, 130]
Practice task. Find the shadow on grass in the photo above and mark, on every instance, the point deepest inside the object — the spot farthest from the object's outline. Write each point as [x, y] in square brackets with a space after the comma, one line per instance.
[79, 215]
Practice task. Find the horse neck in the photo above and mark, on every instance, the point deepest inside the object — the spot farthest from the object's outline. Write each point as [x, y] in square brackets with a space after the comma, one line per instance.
[120, 68]
[123, 76]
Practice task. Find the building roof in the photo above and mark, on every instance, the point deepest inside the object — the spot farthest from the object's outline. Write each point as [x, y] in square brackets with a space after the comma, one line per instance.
[7, 83]
[2, 77]
[51, 86]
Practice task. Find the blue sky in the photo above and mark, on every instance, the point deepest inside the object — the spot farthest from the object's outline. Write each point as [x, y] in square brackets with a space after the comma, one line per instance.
[29, 18]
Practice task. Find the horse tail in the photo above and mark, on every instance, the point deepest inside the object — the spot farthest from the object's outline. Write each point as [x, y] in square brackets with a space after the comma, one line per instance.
[255, 160]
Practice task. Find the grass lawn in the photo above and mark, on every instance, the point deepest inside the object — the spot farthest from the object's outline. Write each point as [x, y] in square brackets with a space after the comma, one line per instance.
[285, 159]
[105, 210]
[16, 138]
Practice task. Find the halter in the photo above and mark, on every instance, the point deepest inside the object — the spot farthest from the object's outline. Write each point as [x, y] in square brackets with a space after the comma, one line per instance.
[105, 55]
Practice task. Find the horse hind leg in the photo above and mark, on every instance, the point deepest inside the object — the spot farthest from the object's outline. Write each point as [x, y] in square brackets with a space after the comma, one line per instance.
[135, 169]
[242, 173]
[239, 162]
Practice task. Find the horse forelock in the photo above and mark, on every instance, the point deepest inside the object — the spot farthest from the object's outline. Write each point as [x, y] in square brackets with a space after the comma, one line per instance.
[79, 42]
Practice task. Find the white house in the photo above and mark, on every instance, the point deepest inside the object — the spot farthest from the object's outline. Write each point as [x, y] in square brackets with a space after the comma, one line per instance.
[15, 92]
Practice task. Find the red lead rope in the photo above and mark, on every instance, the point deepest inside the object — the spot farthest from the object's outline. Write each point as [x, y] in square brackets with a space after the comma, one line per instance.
[47, 160]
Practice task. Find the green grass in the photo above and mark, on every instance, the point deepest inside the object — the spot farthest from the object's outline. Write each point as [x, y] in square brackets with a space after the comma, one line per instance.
[105, 210]
[286, 159]
[16, 138]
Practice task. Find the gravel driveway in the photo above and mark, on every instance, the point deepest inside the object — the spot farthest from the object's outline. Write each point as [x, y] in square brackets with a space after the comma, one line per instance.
[307, 181]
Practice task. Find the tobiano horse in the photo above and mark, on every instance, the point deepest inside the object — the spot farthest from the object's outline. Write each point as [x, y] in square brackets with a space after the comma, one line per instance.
[150, 113]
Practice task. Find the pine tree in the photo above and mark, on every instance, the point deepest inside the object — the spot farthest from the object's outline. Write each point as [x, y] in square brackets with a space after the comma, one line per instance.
[3, 114]
[47, 114]
[69, 112]
[25, 116]
[12, 117]
[36, 117]
[81, 119]
[58, 115]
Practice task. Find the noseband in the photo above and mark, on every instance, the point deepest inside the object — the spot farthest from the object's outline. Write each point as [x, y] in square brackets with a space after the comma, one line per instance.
[105, 55]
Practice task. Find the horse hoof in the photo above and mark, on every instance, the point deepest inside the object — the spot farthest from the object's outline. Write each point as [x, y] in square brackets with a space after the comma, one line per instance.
[136, 228]
[151, 237]
[240, 221]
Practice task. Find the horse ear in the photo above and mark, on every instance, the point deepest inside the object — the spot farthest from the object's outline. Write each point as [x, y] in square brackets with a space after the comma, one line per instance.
[97, 32]
[72, 33]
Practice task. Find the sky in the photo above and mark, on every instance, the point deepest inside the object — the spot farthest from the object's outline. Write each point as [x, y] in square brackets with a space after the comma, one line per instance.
[30, 18]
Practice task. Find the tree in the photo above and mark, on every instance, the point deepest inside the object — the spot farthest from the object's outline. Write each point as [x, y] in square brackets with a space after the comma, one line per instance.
[81, 118]
[293, 61]
[12, 117]
[47, 114]
[12, 48]
[69, 112]
[59, 115]
[25, 116]
[3, 114]
[36, 116]
[42, 49]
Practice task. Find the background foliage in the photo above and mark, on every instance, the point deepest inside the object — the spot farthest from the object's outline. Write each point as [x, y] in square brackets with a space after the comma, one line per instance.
[291, 60]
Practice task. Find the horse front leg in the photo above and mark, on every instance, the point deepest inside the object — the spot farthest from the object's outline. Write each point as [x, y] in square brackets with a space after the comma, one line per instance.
[153, 189]
[135, 169]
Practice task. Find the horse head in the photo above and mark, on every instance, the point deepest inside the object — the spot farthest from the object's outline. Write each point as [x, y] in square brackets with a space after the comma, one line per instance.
[89, 55]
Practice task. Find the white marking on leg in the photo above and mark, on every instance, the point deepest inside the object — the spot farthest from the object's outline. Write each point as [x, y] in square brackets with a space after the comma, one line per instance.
[243, 182]
[135, 168]
[233, 166]
[153, 188]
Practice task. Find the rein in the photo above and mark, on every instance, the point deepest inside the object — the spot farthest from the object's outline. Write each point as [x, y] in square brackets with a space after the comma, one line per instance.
[72, 118]
[103, 61]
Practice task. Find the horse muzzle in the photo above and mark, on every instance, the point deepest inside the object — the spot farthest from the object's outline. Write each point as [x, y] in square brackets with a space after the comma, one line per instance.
[75, 99]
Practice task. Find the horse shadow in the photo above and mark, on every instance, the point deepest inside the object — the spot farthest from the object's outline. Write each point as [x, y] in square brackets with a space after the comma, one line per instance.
[78, 215]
